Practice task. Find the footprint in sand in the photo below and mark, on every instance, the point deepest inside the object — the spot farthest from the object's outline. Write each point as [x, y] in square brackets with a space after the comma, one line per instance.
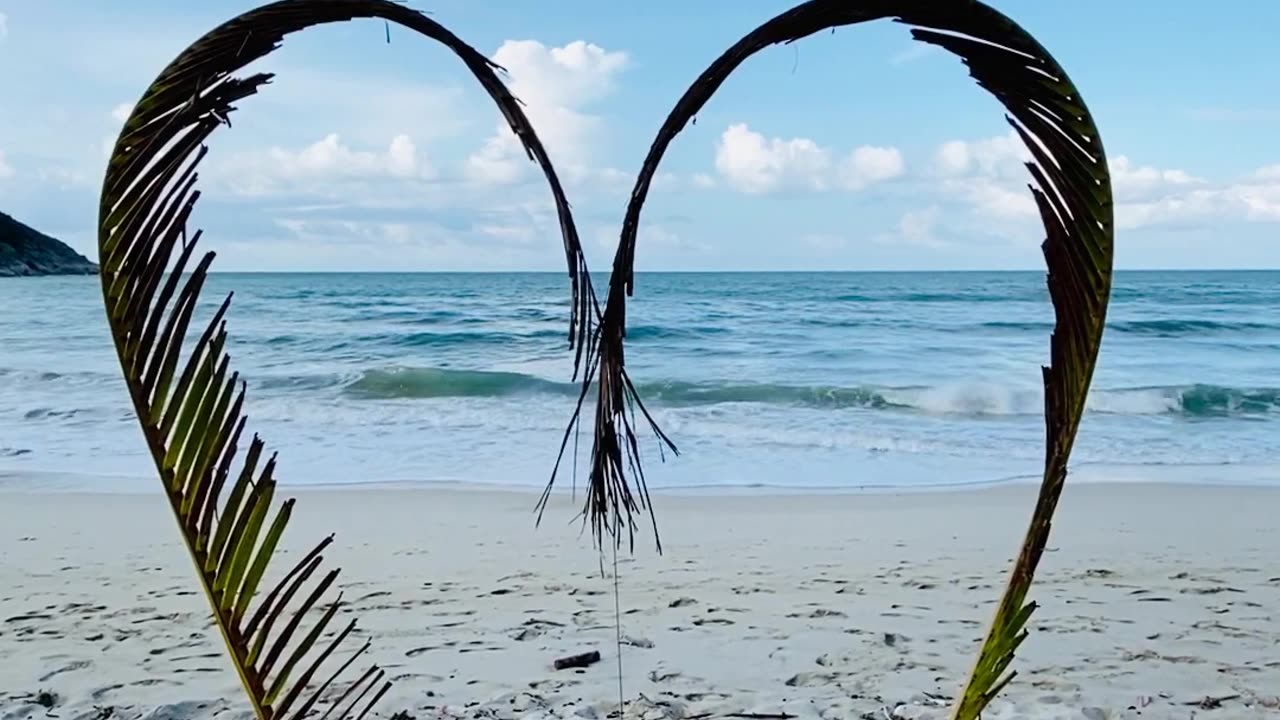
[818, 613]
[69, 667]
[813, 679]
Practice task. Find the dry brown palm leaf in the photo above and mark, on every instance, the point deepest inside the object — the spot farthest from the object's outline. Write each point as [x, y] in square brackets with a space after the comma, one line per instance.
[1072, 189]
[190, 410]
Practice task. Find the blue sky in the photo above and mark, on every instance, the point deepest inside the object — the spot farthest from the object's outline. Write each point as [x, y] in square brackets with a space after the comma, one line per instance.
[853, 150]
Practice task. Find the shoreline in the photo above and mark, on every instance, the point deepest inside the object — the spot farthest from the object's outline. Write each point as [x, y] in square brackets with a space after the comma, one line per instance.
[1144, 475]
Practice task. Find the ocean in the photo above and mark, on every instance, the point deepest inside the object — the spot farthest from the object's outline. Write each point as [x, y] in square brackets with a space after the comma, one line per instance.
[777, 380]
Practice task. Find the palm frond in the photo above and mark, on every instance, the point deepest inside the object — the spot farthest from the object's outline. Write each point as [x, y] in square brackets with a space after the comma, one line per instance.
[1072, 189]
[190, 409]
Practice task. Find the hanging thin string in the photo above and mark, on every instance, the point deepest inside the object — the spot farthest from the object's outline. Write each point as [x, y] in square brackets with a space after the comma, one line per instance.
[573, 489]
[617, 628]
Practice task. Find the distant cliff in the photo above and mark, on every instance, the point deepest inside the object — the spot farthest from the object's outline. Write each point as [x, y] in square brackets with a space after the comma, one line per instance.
[25, 251]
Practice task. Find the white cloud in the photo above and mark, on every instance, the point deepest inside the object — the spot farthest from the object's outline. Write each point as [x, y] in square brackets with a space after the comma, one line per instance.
[1001, 156]
[119, 114]
[662, 241]
[953, 157]
[869, 165]
[1170, 209]
[298, 242]
[988, 174]
[1255, 198]
[497, 163]
[1271, 172]
[62, 177]
[322, 165]
[665, 181]
[668, 182]
[751, 163]
[497, 235]
[520, 233]
[1147, 195]
[655, 239]
[555, 84]
[917, 227]
[1130, 182]
[990, 177]
[611, 177]
[993, 199]
[6, 170]
[4, 26]
[1260, 198]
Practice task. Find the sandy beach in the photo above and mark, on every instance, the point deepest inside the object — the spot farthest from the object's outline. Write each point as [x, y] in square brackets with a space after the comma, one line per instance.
[1157, 601]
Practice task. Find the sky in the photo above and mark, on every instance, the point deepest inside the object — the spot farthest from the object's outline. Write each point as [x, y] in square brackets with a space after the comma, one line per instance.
[853, 150]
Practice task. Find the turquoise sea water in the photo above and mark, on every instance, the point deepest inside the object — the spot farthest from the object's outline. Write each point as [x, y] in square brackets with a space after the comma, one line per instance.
[794, 380]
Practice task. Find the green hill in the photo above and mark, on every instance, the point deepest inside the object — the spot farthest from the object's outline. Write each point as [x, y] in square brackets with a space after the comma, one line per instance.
[26, 251]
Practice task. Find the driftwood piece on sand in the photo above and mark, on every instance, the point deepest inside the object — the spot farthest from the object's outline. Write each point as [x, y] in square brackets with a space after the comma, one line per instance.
[578, 661]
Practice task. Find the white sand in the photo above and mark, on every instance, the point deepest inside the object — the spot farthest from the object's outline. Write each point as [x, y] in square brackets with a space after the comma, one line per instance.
[1152, 597]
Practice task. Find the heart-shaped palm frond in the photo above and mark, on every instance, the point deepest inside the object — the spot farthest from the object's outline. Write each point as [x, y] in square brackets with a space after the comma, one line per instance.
[1072, 189]
[190, 409]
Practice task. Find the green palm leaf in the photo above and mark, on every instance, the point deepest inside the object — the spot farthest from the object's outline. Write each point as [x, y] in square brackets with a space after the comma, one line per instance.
[190, 403]
[1072, 189]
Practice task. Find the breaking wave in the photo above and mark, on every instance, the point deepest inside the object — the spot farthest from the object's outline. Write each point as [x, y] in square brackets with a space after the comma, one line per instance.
[964, 399]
